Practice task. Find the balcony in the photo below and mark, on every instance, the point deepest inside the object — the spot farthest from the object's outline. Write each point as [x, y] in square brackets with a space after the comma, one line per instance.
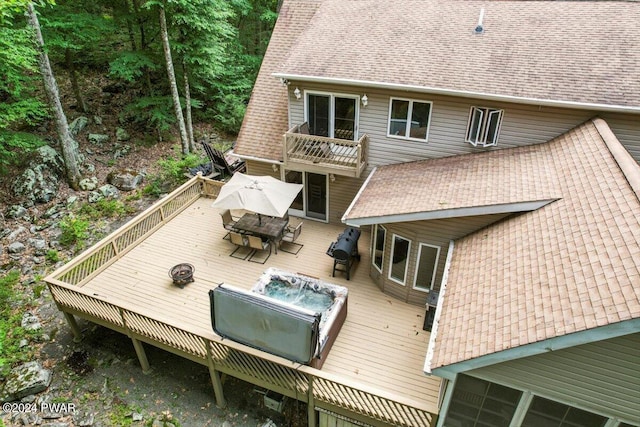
[324, 155]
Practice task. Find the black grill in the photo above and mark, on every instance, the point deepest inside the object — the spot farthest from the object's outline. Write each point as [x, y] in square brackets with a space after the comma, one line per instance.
[344, 250]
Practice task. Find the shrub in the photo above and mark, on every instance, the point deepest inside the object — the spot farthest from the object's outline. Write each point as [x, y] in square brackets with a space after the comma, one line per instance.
[74, 231]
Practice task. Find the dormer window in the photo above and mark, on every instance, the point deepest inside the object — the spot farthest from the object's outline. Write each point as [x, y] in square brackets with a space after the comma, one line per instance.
[484, 126]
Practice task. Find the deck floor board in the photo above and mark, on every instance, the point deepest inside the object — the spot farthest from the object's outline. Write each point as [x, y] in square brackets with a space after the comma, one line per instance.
[381, 345]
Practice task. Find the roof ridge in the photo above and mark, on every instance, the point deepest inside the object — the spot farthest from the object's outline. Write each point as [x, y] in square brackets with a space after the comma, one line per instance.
[629, 167]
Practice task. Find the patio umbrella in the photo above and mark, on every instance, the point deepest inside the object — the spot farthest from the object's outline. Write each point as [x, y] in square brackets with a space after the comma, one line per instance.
[263, 195]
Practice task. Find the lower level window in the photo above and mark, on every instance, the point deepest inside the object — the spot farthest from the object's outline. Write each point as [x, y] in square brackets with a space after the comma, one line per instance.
[481, 403]
[426, 267]
[484, 126]
[547, 413]
[399, 259]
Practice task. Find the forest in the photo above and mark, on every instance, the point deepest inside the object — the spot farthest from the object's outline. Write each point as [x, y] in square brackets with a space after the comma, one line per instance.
[170, 62]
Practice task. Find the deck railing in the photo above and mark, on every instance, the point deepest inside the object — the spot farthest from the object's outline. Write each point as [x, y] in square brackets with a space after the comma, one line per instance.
[318, 389]
[333, 155]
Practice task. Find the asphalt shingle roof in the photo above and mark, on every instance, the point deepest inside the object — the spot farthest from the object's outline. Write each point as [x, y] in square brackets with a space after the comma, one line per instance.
[573, 51]
[569, 266]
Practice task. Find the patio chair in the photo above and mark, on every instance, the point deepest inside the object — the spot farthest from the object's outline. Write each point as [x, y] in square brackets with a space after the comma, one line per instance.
[242, 250]
[220, 163]
[288, 242]
[227, 221]
[259, 247]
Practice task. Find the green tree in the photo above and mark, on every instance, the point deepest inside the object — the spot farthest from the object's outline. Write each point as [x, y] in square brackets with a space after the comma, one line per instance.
[20, 108]
[68, 145]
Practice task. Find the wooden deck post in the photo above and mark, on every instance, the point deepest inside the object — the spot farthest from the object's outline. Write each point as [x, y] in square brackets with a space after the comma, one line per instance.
[311, 406]
[142, 356]
[215, 379]
[77, 336]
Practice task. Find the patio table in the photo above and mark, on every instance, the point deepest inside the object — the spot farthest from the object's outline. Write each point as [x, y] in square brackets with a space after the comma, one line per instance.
[270, 227]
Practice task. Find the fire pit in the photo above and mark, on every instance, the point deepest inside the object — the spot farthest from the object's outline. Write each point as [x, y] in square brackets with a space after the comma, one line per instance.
[182, 274]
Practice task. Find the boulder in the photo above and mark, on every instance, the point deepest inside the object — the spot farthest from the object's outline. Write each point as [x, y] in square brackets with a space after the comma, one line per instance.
[39, 182]
[125, 179]
[109, 191]
[122, 135]
[15, 248]
[16, 211]
[78, 125]
[88, 184]
[98, 138]
[25, 380]
[30, 322]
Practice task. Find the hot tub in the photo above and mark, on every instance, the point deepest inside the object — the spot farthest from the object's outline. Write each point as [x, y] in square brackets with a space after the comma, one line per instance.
[286, 314]
[327, 299]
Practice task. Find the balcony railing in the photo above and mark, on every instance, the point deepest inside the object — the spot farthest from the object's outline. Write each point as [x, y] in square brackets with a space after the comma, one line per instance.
[321, 154]
[320, 390]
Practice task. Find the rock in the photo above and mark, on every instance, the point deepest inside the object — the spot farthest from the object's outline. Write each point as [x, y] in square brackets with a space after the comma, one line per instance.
[121, 151]
[78, 125]
[24, 380]
[122, 134]
[15, 248]
[72, 200]
[136, 417]
[88, 184]
[98, 138]
[97, 120]
[30, 322]
[84, 420]
[109, 191]
[125, 179]
[37, 243]
[39, 182]
[1, 250]
[95, 197]
[16, 211]
[16, 233]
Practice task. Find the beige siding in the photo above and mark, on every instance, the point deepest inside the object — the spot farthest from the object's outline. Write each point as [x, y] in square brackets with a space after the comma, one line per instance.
[522, 124]
[435, 232]
[261, 168]
[601, 377]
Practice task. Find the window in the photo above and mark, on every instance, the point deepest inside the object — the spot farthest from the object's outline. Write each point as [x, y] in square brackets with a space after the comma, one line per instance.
[547, 413]
[399, 259]
[378, 249]
[409, 119]
[476, 402]
[484, 126]
[333, 116]
[426, 267]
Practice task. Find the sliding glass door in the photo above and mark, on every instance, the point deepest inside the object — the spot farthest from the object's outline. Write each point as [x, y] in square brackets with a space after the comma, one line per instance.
[312, 201]
[333, 116]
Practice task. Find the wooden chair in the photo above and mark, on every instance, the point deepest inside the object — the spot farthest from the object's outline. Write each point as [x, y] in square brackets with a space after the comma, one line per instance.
[288, 242]
[241, 243]
[259, 247]
[227, 221]
[220, 163]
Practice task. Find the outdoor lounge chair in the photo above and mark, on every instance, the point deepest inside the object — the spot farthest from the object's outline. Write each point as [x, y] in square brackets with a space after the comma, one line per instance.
[242, 251]
[220, 163]
[288, 242]
[259, 246]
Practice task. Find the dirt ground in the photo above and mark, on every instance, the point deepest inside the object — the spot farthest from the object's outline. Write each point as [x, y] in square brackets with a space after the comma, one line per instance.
[101, 375]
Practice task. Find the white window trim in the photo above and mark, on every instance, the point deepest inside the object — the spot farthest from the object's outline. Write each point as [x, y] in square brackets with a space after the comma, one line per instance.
[332, 109]
[409, 113]
[374, 247]
[435, 267]
[406, 265]
[483, 129]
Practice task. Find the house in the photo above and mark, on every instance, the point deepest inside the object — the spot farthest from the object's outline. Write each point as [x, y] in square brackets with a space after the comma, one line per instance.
[492, 149]
[488, 153]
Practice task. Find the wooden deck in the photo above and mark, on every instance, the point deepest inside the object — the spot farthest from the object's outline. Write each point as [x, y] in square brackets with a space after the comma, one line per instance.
[381, 347]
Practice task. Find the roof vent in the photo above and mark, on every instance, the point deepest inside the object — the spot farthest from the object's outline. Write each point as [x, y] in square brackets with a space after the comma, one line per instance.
[479, 28]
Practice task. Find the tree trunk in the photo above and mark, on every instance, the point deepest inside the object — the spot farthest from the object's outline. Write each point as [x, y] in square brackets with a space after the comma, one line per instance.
[73, 75]
[172, 83]
[69, 147]
[187, 101]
